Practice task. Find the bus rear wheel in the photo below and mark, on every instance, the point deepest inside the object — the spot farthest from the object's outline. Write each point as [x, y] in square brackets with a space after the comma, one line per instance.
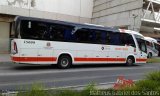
[130, 61]
[64, 62]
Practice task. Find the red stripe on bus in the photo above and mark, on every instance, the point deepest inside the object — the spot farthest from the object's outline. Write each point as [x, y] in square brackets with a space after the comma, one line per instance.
[99, 59]
[141, 60]
[34, 59]
[77, 59]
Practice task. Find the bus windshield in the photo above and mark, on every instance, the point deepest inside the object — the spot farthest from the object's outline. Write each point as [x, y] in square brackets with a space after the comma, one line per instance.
[156, 46]
[142, 45]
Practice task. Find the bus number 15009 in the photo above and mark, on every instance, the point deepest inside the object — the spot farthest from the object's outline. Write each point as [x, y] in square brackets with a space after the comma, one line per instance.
[29, 42]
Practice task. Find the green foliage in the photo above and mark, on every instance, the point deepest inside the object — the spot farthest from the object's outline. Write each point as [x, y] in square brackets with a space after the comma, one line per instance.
[151, 82]
[87, 89]
[153, 60]
[158, 89]
[36, 90]
[147, 85]
[155, 76]
[68, 93]
[90, 87]
[133, 88]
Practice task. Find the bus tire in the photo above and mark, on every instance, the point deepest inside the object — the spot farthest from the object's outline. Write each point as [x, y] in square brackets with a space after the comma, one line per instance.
[149, 55]
[130, 61]
[64, 62]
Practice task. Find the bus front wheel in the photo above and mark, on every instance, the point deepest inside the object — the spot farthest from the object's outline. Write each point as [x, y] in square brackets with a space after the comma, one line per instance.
[64, 62]
[130, 61]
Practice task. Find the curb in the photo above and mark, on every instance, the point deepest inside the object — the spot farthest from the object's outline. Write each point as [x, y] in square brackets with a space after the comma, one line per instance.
[3, 62]
[81, 87]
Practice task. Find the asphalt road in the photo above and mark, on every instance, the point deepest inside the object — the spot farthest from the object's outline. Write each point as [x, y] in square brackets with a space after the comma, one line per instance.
[20, 77]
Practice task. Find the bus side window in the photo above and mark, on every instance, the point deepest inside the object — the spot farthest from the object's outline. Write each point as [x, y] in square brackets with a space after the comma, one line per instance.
[108, 38]
[123, 39]
[103, 34]
[115, 38]
[82, 35]
[58, 34]
[69, 35]
[43, 32]
[98, 38]
[91, 36]
[127, 39]
[62, 32]
[130, 40]
[33, 30]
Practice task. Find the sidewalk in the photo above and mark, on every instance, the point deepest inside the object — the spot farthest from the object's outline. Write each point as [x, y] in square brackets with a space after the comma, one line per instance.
[5, 58]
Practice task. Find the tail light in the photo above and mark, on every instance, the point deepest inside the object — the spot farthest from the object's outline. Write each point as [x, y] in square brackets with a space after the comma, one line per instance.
[134, 49]
[15, 50]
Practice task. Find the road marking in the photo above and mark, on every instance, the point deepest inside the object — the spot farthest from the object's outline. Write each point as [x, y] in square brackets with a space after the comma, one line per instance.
[106, 84]
[68, 79]
[69, 71]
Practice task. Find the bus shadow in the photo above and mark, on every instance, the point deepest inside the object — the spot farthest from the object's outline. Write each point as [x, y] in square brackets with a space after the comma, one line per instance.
[47, 67]
[102, 66]
[35, 67]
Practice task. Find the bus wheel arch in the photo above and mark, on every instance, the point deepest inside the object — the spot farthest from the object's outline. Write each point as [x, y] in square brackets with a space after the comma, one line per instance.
[130, 60]
[64, 61]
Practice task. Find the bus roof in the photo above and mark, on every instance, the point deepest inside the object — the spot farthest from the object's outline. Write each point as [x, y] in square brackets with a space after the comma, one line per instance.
[131, 32]
[150, 39]
[92, 26]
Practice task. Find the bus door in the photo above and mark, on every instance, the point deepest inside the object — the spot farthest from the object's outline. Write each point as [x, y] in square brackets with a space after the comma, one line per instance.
[142, 50]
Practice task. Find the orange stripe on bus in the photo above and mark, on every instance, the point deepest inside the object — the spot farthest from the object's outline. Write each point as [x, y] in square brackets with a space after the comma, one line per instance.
[99, 59]
[141, 60]
[34, 59]
[77, 59]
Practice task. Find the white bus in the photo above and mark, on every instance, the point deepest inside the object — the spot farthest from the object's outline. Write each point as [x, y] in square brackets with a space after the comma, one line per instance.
[43, 41]
[152, 47]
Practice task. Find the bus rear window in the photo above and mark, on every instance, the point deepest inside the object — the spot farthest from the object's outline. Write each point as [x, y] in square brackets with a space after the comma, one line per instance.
[13, 33]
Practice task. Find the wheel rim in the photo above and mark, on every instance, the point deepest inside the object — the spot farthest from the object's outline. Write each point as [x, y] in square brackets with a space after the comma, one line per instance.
[130, 61]
[64, 62]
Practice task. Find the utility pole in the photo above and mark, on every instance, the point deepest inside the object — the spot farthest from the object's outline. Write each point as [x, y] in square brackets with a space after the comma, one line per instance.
[134, 17]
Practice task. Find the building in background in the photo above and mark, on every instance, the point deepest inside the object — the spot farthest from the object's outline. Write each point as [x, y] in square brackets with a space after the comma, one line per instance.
[66, 10]
[139, 15]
